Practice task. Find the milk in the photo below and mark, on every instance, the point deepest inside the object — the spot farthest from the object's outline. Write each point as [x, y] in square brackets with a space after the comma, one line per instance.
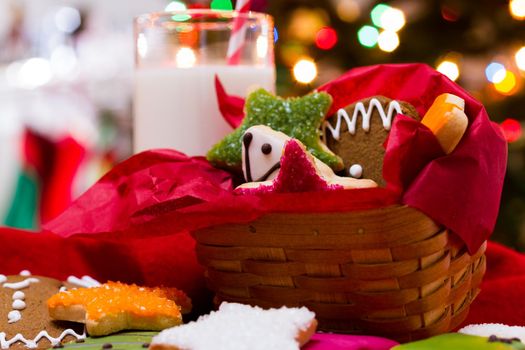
[177, 107]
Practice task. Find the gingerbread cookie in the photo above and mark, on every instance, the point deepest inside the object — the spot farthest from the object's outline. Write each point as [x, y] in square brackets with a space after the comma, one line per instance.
[24, 321]
[357, 134]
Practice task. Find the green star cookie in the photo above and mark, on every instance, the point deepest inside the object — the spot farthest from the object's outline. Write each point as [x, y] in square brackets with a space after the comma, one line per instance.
[299, 117]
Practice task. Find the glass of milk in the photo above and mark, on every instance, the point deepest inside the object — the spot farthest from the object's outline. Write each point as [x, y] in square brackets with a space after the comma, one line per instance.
[177, 56]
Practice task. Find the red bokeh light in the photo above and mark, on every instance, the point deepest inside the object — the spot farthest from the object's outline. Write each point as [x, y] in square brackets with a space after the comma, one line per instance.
[449, 13]
[326, 38]
[511, 129]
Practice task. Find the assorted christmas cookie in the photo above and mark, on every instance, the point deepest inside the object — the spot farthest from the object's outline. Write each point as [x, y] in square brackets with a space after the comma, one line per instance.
[262, 148]
[237, 326]
[114, 306]
[301, 172]
[447, 120]
[463, 342]
[24, 320]
[357, 134]
[495, 329]
[300, 118]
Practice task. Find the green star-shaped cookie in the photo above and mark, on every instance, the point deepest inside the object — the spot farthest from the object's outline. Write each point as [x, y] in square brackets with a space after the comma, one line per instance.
[299, 117]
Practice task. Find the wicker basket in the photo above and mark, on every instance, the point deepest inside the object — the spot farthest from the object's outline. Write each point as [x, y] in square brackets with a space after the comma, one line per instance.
[390, 271]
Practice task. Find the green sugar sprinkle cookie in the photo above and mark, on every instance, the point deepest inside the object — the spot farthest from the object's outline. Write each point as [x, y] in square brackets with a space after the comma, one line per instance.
[298, 117]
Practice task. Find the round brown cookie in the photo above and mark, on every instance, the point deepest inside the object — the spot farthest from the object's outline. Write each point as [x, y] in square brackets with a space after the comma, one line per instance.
[24, 319]
[359, 144]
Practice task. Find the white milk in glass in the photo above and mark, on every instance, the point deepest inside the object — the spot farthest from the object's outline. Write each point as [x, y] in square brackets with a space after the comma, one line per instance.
[177, 107]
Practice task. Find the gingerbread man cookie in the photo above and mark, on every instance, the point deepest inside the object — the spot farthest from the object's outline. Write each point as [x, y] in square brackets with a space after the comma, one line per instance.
[24, 320]
[357, 133]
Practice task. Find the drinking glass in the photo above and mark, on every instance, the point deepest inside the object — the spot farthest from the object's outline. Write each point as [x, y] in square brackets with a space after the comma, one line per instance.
[177, 56]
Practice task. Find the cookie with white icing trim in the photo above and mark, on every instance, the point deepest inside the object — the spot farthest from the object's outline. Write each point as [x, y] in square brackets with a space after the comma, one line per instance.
[24, 320]
[357, 134]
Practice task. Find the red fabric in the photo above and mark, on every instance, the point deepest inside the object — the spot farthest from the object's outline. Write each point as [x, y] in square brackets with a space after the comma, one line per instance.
[56, 163]
[501, 299]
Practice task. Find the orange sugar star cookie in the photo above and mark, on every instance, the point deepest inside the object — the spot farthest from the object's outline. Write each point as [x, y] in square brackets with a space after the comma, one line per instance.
[116, 306]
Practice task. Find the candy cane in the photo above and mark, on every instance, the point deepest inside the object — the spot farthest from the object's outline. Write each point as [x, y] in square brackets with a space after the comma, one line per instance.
[238, 32]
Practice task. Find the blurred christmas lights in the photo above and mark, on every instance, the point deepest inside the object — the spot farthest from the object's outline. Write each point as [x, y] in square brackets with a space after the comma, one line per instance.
[326, 38]
[221, 5]
[511, 129]
[377, 14]
[368, 36]
[275, 34]
[175, 6]
[517, 9]
[67, 19]
[29, 74]
[305, 71]
[392, 19]
[449, 13]
[185, 58]
[388, 41]
[495, 72]
[520, 58]
[450, 69]
[507, 85]
[348, 10]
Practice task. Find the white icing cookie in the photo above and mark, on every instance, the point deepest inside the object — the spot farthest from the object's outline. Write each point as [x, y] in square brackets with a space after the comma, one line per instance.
[262, 148]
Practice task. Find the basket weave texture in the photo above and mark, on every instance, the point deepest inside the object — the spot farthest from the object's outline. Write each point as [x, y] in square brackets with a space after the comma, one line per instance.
[390, 271]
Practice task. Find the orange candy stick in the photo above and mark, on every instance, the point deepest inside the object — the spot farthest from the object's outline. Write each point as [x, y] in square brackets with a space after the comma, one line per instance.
[447, 120]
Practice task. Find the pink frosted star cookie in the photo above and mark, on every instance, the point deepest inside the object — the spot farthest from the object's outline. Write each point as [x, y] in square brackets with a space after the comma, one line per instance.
[301, 172]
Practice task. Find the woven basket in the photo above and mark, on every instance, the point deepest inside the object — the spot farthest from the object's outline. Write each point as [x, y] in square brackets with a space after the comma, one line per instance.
[391, 271]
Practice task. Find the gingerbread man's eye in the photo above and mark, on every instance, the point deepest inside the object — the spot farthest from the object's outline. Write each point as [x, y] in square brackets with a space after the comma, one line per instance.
[266, 148]
[356, 171]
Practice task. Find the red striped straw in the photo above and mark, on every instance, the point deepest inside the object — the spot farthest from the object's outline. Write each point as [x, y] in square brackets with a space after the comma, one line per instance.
[238, 32]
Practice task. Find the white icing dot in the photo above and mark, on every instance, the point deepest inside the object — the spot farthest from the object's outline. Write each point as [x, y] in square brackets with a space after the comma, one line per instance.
[19, 295]
[3, 278]
[19, 304]
[25, 273]
[356, 171]
[14, 316]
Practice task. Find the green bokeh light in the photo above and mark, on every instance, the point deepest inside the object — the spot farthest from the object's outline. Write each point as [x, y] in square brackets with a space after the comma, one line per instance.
[367, 36]
[221, 5]
[377, 12]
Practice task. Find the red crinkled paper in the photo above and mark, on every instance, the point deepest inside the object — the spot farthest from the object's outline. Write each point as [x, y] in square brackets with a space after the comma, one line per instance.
[133, 223]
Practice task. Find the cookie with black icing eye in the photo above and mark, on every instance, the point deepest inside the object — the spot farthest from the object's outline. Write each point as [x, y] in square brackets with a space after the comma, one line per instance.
[24, 320]
[358, 131]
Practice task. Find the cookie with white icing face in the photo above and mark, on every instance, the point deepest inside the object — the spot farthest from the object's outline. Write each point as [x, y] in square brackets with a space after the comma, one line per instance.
[358, 132]
[24, 320]
[262, 148]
